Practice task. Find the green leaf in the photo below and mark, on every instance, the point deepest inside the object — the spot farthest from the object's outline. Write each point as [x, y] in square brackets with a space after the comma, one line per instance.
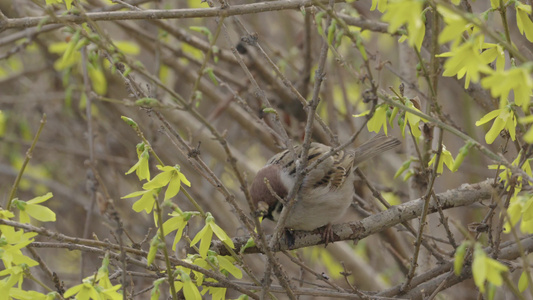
[203, 30]
[269, 110]
[98, 80]
[479, 268]
[68, 4]
[494, 270]
[189, 289]
[226, 264]
[17, 293]
[486, 268]
[407, 12]
[71, 47]
[73, 290]
[528, 137]
[500, 83]
[504, 119]
[146, 202]
[127, 71]
[170, 176]
[403, 168]
[128, 47]
[221, 234]
[445, 158]
[216, 53]
[178, 285]
[51, 2]
[83, 291]
[41, 213]
[523, 282]
[413, 120]
[526, 227]
[217, 293]
[495, 4]
[515, 213]
[155, 244]
[141, 167]
[393, 114]
[143, 171]
[134, 194]
[378, 120]
[361, 114]
[523, 21]
[40, 199]
[173, 186]
[3, 119]
[194, 52]
[381, 5]
[129, 121]
[184, 179]
[491, 291]
[205, 243]
[459, 258]
[160, 180]
[331, 32]
[148, 102]
[526, 119]
[31, 208]
[204, 236]
[249, 243]
[197, 97]
[338, 38]
[527, 210]
[526, 167]
[318, 21]
[465, 60]
[494, 52]
[156, 290]
[202, 263]
[211, 74]
[463, 152]
[175, 223]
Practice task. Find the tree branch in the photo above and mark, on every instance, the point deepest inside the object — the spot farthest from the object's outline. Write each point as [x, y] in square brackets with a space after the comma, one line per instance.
[152, 14]
[465, 195]
[426, 283]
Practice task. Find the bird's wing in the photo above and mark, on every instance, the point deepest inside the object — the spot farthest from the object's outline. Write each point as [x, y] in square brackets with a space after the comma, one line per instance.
[331, 173]
[342, 166]
[322, 174]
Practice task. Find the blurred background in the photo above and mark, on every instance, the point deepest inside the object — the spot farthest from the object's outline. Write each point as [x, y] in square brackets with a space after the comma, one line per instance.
[37, 79]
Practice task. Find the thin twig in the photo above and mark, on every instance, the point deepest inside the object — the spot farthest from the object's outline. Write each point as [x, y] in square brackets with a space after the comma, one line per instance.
[422, 222]
[92, 184]
[29, 154]
[186, 13]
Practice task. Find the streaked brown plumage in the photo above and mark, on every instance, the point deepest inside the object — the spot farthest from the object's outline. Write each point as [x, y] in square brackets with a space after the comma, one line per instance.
[326, 190]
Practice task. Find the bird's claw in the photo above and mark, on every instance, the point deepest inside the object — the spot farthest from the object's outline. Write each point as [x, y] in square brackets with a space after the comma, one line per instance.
[327, 235]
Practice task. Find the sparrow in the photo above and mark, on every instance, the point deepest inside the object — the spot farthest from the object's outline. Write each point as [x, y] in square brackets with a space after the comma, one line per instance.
[326, 191]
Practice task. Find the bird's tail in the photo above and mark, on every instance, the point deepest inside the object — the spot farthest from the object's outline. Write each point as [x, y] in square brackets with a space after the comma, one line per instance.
[375, 146]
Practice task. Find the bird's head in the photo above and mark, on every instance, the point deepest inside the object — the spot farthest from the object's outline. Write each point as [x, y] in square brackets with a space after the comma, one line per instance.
[263, 197]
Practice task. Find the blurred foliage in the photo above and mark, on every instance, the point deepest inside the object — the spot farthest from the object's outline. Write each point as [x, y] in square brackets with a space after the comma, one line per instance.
[203, 102]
